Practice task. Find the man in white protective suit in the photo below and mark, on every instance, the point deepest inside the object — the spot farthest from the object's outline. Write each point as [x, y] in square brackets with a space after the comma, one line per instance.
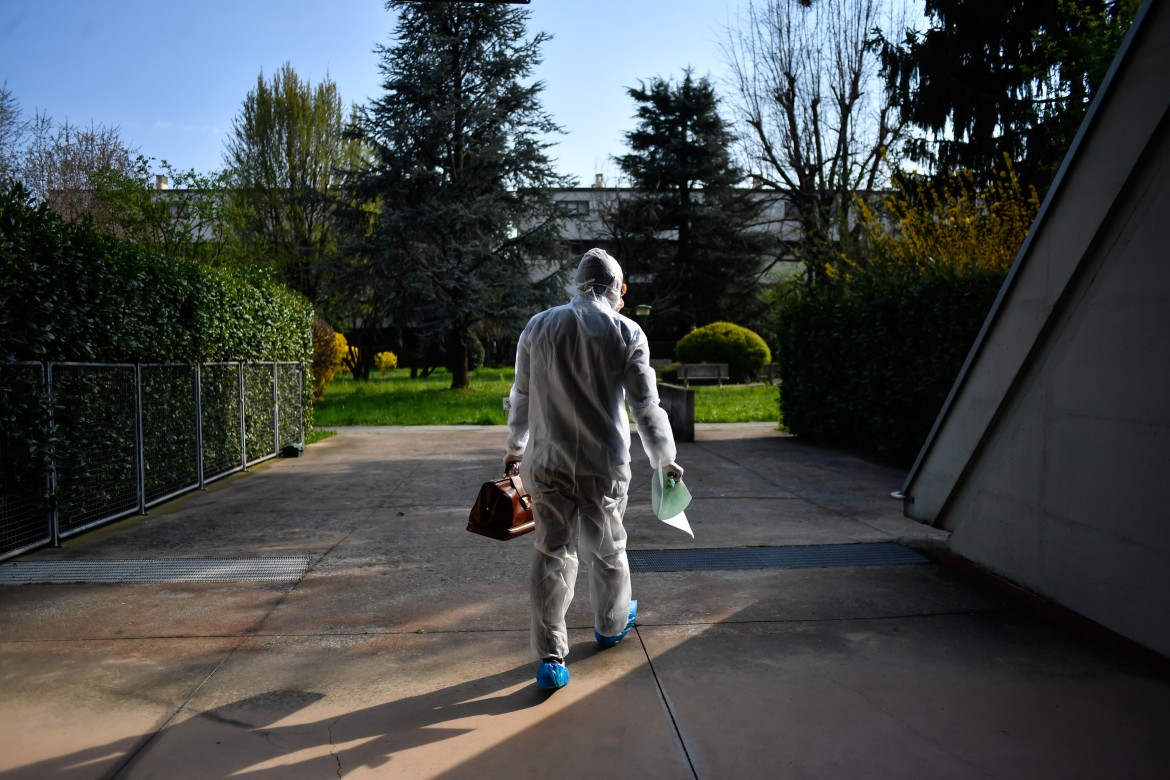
[577, 366]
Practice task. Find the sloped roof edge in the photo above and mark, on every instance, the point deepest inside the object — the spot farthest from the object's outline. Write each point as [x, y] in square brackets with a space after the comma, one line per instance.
[1109, 144]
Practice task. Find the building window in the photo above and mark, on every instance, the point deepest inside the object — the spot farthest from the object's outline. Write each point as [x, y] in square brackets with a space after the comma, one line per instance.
[575, 208]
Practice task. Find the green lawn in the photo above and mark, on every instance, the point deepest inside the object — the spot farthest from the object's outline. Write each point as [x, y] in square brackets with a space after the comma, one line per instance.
[394, 398]
[737, 403]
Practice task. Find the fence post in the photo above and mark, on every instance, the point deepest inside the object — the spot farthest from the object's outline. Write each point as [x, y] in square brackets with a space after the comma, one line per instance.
[301, 398]
[139, 439]
[47, 496]
[276, 407]
[243, 421]
[199, 425]
[54, 517]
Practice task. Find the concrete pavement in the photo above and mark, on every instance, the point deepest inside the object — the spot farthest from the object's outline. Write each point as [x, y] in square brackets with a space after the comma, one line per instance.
[403, 651]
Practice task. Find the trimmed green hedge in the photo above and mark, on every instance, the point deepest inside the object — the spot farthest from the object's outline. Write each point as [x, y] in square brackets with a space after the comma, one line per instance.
[867, 364]
[744, 352]
[70, 294]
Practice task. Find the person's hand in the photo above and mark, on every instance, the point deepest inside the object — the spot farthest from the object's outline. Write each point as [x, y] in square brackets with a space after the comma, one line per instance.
[512, 463]
[673, 469]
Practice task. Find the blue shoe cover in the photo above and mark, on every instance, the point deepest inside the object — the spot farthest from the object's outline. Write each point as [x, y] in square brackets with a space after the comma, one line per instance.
[551, 676]
[610, 641]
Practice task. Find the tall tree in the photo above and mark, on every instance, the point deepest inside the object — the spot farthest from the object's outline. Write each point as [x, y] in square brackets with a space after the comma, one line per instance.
[61, 160]
[191, 216]
[817, 120]
[1004, 77]
[283, 156]
[91, 173]
[691, 239]
[452, 221]
[12, 127]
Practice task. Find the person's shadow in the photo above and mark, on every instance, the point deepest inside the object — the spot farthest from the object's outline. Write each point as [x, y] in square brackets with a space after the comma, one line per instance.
[378, 732]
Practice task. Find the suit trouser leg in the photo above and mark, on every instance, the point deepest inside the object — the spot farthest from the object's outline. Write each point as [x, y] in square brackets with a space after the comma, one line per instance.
[554, 564]
[563, 508]
[603, 544]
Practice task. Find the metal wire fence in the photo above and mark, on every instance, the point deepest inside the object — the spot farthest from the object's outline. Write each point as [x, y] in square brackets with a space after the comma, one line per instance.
[83, 444]
[23, 458]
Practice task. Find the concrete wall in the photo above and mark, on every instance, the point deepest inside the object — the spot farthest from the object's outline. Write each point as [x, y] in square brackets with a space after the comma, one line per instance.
[679, 403]
[1071, 495]
[1050, 463]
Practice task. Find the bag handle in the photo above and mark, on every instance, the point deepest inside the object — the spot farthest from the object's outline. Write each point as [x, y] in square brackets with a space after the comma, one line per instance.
[525, 499]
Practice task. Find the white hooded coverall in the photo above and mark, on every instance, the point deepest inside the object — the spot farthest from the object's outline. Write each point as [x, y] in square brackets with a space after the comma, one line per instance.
[577, 365]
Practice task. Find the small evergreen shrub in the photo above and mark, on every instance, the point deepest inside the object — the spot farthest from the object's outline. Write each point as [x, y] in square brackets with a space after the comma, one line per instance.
[743, 350]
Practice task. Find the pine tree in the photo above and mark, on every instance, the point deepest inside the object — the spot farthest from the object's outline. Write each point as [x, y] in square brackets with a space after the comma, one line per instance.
[452, 222]
[690, 237]
[1004, 77]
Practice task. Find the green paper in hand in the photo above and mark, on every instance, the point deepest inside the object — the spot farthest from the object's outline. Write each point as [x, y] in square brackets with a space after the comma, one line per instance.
[668, 498]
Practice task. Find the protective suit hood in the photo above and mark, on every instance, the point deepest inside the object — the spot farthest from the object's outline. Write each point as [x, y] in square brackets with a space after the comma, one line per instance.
[599, 275]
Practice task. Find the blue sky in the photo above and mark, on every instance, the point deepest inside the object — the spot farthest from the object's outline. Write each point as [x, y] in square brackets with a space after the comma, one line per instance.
[171, 74]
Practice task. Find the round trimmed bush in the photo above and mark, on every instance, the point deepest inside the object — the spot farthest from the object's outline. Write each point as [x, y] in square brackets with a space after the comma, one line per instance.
[744, 352]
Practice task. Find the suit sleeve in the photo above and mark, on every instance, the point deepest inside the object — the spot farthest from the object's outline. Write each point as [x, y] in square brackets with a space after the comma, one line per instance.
[518, 401]
[641, 388]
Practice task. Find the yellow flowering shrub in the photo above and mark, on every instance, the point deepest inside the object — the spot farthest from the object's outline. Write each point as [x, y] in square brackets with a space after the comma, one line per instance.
[384, 361]
[342, 349]
[952, 223]
[328, 350]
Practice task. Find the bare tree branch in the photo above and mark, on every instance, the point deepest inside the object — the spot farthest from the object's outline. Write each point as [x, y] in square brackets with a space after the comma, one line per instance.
[818, 123]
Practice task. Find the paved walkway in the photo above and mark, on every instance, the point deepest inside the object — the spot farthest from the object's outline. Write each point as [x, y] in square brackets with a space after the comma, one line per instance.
[403, 651]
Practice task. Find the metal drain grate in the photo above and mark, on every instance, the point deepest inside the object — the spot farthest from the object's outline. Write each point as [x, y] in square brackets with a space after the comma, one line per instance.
[146, 571]
[798, 557]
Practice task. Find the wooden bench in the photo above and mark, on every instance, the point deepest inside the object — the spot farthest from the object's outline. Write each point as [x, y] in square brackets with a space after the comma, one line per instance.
[702, 371]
